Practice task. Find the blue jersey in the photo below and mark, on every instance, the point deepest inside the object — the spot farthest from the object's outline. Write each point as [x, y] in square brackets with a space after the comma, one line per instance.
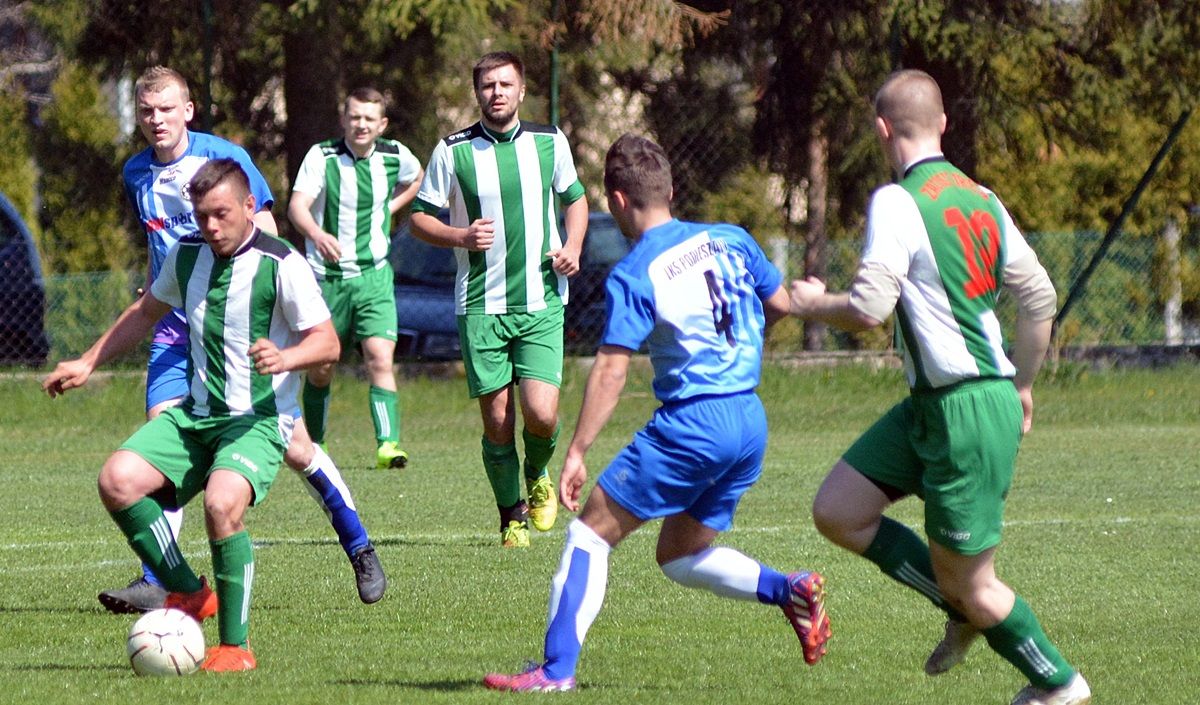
[693, 292]
[159, 195]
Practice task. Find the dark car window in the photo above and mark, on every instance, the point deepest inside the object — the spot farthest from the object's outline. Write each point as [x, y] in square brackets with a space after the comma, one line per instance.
[605, 245]
[417, 262]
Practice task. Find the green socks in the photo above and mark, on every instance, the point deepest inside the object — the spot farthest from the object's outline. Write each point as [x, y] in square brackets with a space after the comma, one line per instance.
[503, 471]
[233, 566]
[538, 452]
[385, 415]
[148, 534]
[314, 402]
[1019, 639]
[904, 557]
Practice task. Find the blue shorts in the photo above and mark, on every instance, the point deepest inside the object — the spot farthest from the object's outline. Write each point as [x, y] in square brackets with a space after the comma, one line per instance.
[697, 456]
[166, 374]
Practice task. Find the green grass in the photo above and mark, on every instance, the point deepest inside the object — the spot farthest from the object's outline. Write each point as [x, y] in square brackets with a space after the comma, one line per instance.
[1102, 539]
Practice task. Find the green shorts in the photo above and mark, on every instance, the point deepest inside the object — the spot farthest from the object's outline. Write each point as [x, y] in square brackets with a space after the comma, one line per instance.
[363, 306]
[955, 448]
[188, 448]
[499, 349]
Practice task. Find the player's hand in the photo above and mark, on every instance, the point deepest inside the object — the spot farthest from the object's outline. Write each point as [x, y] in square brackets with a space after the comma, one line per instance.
[570, 482]
[565, 260]
[68, 374]
[328, 246]
[805, 292]
[267, 357]
[480, 235]
[1026, 396]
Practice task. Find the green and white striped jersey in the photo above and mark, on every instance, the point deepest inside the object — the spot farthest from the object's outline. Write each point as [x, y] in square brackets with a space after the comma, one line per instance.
[511, 179]
[350, 201]
[948, 239]
[265, 290]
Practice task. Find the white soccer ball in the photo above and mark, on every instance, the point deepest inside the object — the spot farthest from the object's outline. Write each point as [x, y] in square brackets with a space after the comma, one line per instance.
[165, 643]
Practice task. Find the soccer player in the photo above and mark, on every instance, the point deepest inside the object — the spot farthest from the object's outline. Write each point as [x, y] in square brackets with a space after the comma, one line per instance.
[938, 247]
[701, 295]
[155, 182]
[254, 314]
[343, 201]
[500, 177]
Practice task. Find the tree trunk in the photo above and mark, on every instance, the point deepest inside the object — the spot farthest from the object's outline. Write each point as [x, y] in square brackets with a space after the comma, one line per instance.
[816, 237]
[312, 86]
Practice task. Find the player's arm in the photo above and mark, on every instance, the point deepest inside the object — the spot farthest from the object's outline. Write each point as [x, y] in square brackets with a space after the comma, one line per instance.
[404, 194]
[776, 306]
[1037, 303]
[318, 346]
[600, 397]
[123, 335]
[866, 305]
[266, 221]
[300, 214]
[477, 237]
[575, 221]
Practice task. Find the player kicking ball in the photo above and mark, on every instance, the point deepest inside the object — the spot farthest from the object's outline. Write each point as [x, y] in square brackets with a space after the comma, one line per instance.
[255, 315]
[701, 295]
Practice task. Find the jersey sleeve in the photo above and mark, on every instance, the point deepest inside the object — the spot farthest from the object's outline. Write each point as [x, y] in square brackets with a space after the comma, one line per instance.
[438, 184]
[165, 286]
[630, 311]
[310, 180]
[566, 180]
[300, 295]
[891, 213]
[767, 278]
[410, 166]
[1015, 246]
[263, 198]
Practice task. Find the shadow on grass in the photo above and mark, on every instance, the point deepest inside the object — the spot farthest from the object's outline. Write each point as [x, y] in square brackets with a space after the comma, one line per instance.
[448, 686]
[66, 667]
[4, 609]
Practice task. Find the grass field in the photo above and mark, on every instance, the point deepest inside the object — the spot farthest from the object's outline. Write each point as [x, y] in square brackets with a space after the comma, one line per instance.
[1102, 539]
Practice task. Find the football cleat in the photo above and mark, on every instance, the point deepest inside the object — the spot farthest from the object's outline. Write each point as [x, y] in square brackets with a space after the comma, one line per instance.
[389, 455]
[806, 612]
[543, 504]
[515, 535]
[952, 649]
[227, 657]
[201, 604]
[138, 596]
[531, 680]
[369, 575]
[1075, 692]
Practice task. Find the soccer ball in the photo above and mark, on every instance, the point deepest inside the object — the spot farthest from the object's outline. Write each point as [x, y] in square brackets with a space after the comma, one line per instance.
[165, 643]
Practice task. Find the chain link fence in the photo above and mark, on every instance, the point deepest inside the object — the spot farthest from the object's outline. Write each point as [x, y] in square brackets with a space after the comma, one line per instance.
[1121, 306]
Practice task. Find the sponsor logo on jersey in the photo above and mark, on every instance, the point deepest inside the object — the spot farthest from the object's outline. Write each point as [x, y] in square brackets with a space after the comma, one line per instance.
[155, 224]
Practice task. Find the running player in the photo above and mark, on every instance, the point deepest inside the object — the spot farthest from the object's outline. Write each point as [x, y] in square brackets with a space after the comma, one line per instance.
[939, 246]
[500, 177]
[701, 296]
[342, 202]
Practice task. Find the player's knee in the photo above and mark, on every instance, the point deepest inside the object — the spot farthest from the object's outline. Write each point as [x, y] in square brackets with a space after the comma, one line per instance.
[828, 519]
[118, 484]
[223, 512]
[321, 375]
[299, 454]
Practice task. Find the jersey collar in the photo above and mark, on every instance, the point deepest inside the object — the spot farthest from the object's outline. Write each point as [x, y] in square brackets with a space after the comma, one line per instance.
[923, 160]
[499, 137]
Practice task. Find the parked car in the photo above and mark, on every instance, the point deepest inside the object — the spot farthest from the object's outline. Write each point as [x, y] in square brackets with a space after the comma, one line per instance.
[424, 276]
[23, 338]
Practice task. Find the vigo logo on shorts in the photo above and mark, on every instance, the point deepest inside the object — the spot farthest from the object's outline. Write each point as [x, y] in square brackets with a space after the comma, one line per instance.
[956, 535]
[245, 461]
